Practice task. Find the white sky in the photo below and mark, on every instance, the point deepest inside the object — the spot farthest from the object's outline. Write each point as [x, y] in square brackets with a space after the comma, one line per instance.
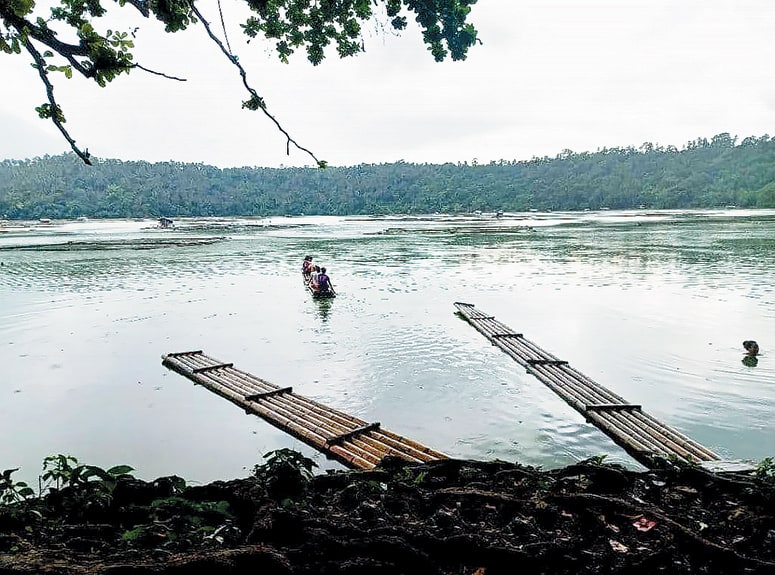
[550, 75]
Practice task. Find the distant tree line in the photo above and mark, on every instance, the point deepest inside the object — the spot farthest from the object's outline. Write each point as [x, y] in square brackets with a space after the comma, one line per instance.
[704, 173]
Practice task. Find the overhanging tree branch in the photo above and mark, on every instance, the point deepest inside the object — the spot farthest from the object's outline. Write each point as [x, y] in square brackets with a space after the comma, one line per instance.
[256, 102]
[162, 74]
[45, 36]
[52, 110]
[223, 26]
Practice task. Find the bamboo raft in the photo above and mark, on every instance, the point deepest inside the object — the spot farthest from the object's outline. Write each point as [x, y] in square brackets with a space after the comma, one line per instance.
[351, 441]
[646, 439]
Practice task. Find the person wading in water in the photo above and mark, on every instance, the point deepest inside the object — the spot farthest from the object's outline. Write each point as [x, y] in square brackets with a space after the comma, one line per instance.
[324, 283]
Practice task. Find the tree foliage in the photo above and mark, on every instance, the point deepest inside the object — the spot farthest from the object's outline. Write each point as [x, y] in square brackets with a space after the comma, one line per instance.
[101, 54]
[714, 173]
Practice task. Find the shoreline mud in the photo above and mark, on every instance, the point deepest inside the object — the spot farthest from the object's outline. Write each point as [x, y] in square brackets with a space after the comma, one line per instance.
[446, 517]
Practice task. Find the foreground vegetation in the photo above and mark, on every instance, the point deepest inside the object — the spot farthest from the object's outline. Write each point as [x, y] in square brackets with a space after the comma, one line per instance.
[445, 517]
[705, 173]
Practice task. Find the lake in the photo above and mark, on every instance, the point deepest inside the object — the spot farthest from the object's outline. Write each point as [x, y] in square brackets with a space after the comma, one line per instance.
[653, 305]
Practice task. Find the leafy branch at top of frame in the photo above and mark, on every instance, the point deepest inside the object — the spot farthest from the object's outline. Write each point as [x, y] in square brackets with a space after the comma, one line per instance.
[315, 25]
[98, 56]
[293, 24]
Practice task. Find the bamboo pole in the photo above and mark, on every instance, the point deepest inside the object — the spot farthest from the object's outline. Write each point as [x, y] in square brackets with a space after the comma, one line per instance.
[633, 428]
[394, 440]
[665, 434]
[336, 418]
[308, 420]
[373, 437]
[246, 386]
[328, 412]
[622, 420]
[359, 422]
[634, 446]
[383, 450]
[347, 456]
[331, 429]
[315, 439]
[609, 425]
[251, 381]
[324, 420]
[285, 420]
[708, 454]
[380, 439]
[587, 395]
[630, 427]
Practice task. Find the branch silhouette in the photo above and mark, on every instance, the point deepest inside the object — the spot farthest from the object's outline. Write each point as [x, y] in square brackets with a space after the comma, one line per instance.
[256, 102]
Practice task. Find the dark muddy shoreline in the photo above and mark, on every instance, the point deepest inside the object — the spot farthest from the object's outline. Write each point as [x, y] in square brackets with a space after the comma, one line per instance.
[446, 517]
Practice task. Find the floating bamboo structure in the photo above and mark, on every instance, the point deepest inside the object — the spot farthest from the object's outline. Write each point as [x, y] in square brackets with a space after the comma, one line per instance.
[351, 441]
[646, 439]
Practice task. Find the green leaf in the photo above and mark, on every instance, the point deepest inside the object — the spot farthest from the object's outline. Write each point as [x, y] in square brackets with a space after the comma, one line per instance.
[44, 111]
[90, 471]
[25, 492]
[22, 7]
[8, 472]
[120, 470]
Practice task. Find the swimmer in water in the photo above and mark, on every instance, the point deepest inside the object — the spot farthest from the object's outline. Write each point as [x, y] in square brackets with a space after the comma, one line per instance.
[751, 347]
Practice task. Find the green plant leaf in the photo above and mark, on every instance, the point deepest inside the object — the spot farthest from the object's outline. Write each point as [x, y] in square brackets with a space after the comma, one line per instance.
[25, 492]
[120, 470]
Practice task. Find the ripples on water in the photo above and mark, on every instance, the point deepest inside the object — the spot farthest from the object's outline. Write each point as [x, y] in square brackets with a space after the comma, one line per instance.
[654, 306]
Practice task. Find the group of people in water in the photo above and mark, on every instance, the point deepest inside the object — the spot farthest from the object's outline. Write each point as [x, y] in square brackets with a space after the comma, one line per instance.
[316, 278]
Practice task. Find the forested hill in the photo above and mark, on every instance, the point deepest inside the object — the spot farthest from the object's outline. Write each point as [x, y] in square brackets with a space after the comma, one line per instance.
[704, 173]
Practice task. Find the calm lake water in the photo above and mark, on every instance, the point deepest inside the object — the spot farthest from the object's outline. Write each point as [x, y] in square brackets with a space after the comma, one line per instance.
[652, 305]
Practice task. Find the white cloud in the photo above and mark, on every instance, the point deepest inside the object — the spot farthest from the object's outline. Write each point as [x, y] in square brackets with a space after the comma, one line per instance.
[550, 75]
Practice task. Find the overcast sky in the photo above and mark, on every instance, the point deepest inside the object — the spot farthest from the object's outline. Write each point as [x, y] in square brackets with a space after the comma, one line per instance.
[550, 75]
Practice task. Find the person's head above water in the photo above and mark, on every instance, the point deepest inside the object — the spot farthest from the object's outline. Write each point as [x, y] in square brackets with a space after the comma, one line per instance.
[751, 347]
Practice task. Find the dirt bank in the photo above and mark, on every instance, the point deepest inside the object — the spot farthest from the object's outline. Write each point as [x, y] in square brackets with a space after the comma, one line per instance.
[447, 517]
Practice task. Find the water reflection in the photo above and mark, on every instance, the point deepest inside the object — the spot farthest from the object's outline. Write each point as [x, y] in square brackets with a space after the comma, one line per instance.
[673, 293]
[323, 308]
[750, 361]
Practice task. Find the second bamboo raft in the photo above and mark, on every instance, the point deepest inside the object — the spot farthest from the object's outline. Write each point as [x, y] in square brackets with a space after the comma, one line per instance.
[646, 439]
[351, 441]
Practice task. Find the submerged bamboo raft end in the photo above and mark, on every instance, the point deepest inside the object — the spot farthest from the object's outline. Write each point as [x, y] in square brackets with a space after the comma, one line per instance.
[351, 441]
